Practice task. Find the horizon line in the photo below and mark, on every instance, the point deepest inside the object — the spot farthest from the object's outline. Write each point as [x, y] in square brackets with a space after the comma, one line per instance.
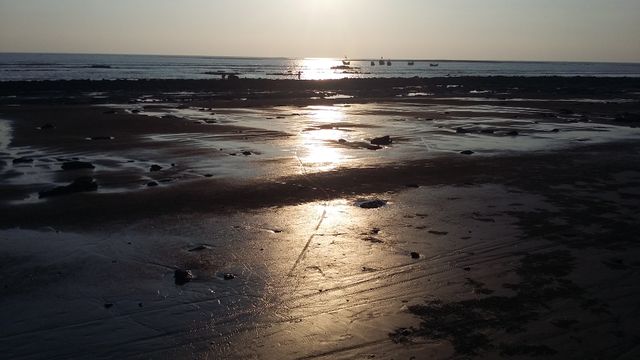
[332, 58]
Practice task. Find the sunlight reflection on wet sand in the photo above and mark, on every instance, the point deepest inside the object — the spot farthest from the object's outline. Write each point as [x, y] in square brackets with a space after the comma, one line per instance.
[317, 145]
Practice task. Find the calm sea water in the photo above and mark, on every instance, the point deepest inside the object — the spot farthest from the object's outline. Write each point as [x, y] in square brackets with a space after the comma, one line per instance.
[96, 67]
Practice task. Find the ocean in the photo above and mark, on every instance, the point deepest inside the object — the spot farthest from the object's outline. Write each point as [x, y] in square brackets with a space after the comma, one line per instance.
[110, 67]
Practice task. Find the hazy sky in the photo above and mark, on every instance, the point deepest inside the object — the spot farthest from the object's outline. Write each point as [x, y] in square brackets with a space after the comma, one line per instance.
[606, 30]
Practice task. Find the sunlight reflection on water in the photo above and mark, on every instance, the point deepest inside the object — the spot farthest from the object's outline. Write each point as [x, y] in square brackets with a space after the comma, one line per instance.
[319, 148]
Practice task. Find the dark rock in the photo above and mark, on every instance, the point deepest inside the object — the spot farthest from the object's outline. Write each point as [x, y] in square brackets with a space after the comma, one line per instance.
[96, 138]
[135, 111]
[47, 126]
[555, 130]
[152, 184]
[229, 276]
[415, 255]
[373, 240]
[199, 248]
[22, 160]
[247, 153]
[81, 184]
[372, 204]
[462, 131]
[183, 276]
[77, 165]
[155, 168]
[385, 140]
[467, 152]
[513, 133]
[208, 175]
[342, 141]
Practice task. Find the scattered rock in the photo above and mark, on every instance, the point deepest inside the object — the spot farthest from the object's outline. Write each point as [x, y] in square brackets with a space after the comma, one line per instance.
[373, 239]
[183, 276]
[23, 160]
[415, 255]
[467, 152]
[555, 130]
[155, 168]
[81, 184]
[247, 153]
[77, 165]
[152, 184]
[385, 140]
[47, 126]
[372, 204]
[564, 323]
[199, 248]
[97, 138]
[229, 276]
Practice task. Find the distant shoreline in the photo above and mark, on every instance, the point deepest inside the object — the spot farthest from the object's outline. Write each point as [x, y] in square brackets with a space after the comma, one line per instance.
[237, 57]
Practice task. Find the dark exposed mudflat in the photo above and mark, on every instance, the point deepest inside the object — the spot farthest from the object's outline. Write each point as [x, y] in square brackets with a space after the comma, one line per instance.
[227, 219]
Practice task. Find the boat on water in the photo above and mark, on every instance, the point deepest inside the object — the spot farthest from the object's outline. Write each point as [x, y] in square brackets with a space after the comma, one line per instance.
[373, 63]
[434, 65]
[346, 61]
[388, 62]
[410, 63]
[381, 62]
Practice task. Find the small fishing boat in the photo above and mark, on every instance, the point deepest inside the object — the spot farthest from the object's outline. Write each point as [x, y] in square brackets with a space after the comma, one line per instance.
[373, 63]
[434, 65]
[381, 62]
[346, 61]
[410, 63]
[388, 62]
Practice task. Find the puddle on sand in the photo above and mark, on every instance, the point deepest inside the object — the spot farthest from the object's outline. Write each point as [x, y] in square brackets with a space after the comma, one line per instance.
[283, 141]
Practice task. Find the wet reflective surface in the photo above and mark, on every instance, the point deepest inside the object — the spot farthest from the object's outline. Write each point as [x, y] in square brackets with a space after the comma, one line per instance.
[306, 240]
[281, 141]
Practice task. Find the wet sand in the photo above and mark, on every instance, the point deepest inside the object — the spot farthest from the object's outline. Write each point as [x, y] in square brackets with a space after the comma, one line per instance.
[508, 227]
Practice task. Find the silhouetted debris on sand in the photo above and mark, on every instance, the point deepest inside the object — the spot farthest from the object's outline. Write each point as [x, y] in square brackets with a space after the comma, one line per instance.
[77, 165]
[183, 276]
[371, 204]
[22, 160]
[385, 140]
[81, 184]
